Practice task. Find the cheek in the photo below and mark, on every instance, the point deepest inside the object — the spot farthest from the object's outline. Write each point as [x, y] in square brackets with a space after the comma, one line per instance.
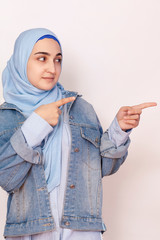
[58, 69]
[29, 72]
[33, 70]
[33, 73]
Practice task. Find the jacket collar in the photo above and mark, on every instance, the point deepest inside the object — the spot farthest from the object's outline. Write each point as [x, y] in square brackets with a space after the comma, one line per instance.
[70, 94]
[67, 94]
[6, 105]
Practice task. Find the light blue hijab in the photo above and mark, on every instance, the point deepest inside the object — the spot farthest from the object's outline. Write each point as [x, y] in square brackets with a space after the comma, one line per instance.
[19, 91]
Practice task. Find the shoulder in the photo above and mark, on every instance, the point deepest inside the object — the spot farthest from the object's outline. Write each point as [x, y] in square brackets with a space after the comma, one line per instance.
[9, 106]
[10, 116]
[83, 113]
[80, 104]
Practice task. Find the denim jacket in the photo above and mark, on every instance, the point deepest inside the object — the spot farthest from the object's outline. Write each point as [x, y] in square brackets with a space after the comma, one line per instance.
[92, 156]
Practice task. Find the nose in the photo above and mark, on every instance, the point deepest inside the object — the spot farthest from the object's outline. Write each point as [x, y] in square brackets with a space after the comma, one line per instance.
[51, 67]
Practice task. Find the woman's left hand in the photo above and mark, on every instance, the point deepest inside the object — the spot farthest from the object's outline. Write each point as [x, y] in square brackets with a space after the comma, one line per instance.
[129, 117]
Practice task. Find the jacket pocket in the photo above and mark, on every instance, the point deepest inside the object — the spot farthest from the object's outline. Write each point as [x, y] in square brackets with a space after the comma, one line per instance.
[92, 135]
[91, 147]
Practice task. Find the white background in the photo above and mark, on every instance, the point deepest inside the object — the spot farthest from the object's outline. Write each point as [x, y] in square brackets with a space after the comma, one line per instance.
[111, 56]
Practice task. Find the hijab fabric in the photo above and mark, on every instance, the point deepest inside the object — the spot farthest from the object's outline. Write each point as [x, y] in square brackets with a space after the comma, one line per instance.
[19, 91]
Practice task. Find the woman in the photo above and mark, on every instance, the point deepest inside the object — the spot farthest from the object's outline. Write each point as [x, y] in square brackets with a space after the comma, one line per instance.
[53, 153]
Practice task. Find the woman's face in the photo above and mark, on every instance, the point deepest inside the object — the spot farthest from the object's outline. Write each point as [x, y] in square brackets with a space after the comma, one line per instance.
[44, 64]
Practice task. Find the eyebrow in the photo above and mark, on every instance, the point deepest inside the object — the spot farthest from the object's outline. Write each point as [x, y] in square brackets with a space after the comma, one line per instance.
[48, 54]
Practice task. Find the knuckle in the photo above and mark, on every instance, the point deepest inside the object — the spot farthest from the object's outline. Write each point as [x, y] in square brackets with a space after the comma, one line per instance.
[56, 110]
[57, 115]
[55, 122]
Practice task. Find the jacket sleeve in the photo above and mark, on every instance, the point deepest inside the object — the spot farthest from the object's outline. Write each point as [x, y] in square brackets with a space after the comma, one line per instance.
[16, 159]
[112, 156]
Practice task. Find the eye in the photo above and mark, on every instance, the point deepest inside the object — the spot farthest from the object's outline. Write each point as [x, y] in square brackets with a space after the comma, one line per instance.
[42, 59]
[58, 60]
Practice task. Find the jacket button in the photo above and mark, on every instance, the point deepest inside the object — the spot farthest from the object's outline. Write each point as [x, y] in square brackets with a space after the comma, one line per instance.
[76, 149]
[67, 223]
[71, 117]
[96, 140]
[72, 186]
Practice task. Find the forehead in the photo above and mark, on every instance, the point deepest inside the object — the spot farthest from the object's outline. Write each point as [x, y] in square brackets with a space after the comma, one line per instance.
[47, 45]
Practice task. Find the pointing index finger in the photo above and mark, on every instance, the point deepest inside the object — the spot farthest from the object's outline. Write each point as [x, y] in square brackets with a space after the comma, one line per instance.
[145, 105]
[63, 101]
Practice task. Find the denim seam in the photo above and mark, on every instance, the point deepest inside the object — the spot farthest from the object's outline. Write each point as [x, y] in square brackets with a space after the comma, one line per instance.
[84, 125]
[8, 130]
[89, 182]
[32, 221]
[98, 196]
[12, 174]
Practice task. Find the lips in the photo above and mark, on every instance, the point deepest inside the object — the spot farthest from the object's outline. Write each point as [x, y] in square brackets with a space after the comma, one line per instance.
[48, 78]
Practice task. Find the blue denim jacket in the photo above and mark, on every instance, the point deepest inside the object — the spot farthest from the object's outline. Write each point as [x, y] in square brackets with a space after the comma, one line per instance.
[92, 156]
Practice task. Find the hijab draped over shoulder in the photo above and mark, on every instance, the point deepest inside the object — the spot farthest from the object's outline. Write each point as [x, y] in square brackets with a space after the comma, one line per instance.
[19, 91]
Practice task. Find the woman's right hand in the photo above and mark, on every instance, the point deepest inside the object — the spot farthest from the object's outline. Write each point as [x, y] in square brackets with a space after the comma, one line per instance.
[50, 112]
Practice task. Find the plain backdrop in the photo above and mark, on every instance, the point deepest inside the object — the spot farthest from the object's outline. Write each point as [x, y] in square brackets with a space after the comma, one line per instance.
[111, 54]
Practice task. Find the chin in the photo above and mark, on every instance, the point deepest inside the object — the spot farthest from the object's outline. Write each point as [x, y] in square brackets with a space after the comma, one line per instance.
[47, 88]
